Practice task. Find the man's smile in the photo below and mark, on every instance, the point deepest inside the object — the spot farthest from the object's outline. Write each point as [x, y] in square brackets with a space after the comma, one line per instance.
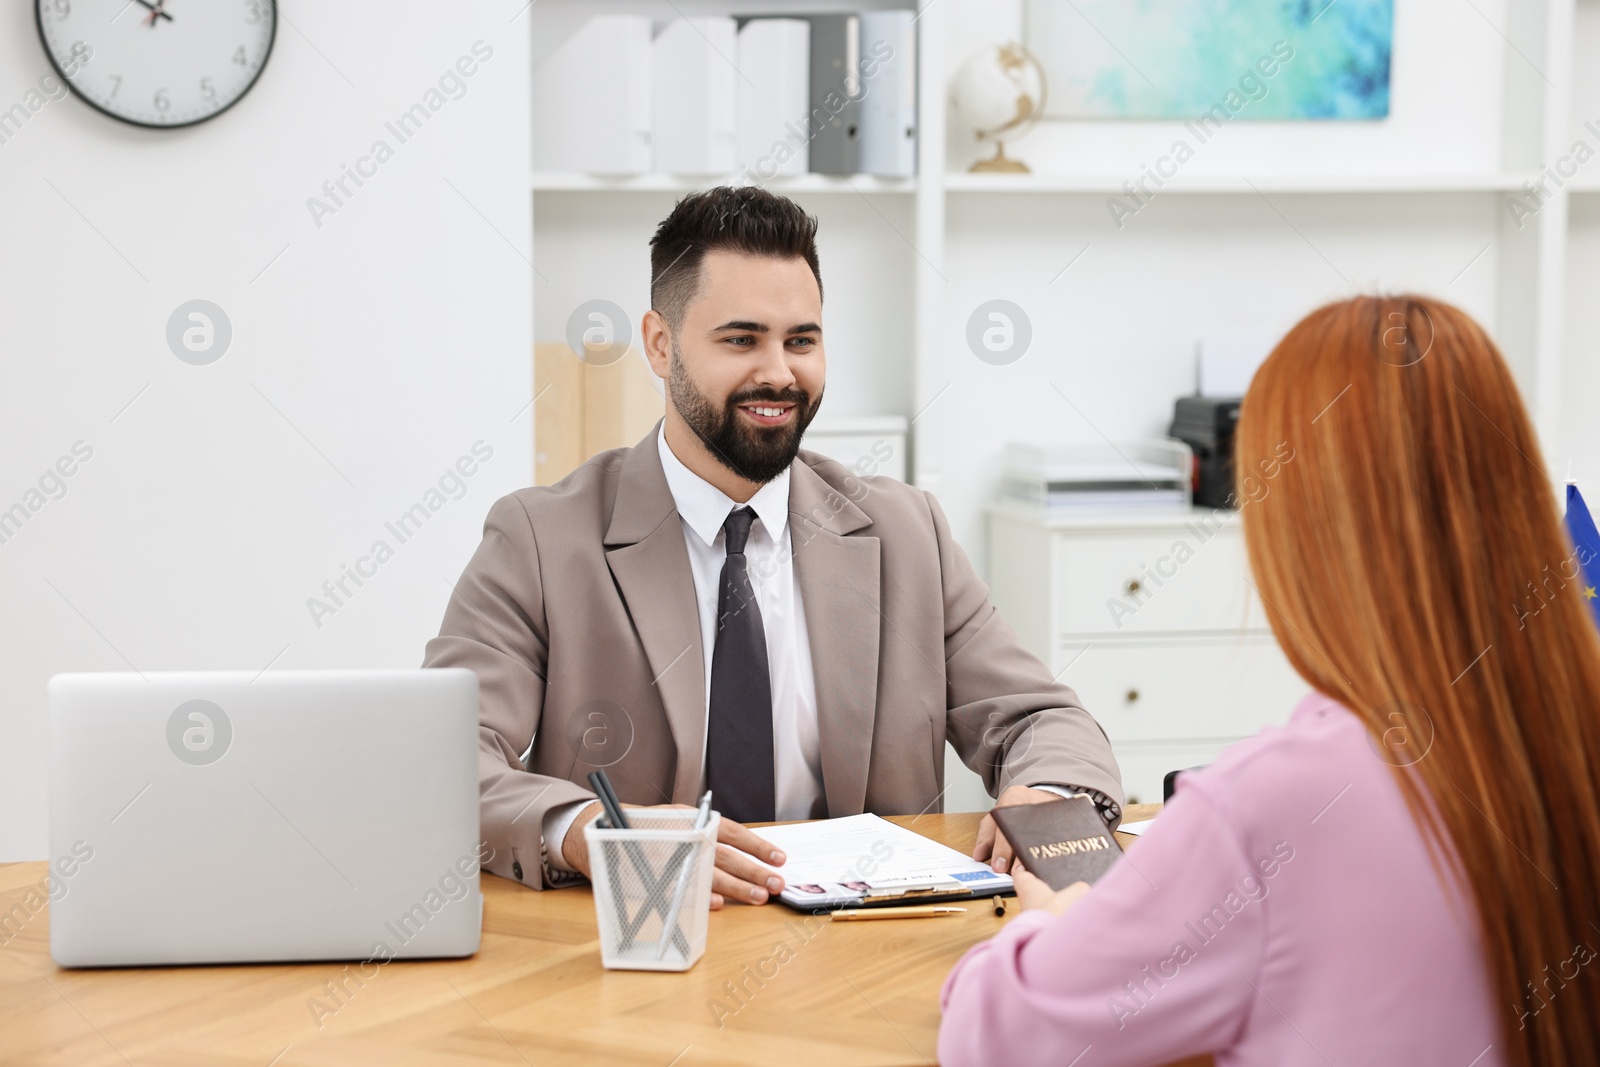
[768, 414]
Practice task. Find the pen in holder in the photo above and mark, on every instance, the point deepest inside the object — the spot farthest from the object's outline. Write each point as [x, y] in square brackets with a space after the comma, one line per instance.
[652, 887]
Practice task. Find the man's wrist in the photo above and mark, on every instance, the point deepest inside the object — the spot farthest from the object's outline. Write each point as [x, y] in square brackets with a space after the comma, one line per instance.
[557, 823]
[1108, 808]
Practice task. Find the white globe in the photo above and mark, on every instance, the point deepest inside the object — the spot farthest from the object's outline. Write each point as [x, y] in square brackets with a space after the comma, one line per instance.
[1000, 88]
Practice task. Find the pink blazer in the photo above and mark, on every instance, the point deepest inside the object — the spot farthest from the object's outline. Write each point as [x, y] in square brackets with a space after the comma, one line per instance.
[1283, 910]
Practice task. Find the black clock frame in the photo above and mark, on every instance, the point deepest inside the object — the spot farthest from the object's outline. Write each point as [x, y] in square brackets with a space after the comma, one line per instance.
[38, 23]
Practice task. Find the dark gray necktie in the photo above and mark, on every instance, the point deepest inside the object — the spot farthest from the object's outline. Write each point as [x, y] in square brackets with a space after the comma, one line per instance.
[739, 728]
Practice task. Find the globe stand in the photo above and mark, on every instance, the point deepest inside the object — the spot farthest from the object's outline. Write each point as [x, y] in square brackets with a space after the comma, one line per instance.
[1000, 163]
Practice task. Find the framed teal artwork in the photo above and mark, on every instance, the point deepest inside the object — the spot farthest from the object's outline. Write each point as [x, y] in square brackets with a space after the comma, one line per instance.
[1186, 59]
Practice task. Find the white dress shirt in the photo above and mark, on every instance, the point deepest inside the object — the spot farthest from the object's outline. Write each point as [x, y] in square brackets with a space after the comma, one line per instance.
[796, 743]
[702, 509]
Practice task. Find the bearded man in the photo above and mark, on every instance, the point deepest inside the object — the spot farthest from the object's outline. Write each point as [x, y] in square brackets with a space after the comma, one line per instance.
[717, 608]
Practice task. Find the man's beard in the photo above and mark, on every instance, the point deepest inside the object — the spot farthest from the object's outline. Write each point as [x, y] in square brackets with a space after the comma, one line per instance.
[755, 453]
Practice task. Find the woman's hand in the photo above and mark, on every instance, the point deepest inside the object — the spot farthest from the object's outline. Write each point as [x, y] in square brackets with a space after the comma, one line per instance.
[1033, 894]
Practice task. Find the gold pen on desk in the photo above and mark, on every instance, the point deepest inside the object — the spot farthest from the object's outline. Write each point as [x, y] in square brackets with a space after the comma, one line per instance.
[919, 911]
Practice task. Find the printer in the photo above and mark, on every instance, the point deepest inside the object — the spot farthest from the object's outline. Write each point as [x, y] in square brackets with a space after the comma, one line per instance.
[1206, 425]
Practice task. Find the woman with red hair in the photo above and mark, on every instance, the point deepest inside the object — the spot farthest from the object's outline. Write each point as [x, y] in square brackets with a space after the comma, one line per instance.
[1407, 872]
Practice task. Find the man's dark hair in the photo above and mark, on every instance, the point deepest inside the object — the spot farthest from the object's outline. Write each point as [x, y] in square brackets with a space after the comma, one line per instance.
[745, 219]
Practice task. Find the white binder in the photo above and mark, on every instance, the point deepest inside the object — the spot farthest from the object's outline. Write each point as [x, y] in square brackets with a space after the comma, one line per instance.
[591, 99]
[889, 106]
[696, 95]
[774, 94]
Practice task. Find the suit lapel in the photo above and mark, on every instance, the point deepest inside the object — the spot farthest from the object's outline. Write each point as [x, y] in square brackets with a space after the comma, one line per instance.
[838, 577]
[648, 560]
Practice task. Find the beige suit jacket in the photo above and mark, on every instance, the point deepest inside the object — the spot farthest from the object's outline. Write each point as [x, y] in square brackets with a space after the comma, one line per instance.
[578, 614]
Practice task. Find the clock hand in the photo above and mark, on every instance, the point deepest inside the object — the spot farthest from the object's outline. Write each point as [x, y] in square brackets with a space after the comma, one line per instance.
[155, 10]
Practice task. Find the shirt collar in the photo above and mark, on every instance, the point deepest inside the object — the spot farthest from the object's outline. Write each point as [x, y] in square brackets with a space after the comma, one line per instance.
[705, 507]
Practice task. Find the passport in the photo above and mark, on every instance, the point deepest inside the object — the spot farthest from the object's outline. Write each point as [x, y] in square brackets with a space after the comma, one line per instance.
[1060, 841]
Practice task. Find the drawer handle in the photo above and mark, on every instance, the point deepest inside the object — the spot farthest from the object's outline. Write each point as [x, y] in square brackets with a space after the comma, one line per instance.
[1133, 696]
[1132, 586]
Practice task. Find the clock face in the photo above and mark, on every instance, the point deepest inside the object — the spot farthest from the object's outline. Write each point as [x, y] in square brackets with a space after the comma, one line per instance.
[158, 63]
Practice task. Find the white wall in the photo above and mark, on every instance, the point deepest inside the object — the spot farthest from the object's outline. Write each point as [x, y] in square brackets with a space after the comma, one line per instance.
[367, 355]
[1580, 430]
[1585, 97]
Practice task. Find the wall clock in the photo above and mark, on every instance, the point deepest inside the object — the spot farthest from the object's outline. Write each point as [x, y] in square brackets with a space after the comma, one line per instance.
[158, 63]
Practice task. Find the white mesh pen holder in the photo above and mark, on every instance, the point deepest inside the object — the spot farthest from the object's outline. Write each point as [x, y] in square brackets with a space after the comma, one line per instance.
[652, 889]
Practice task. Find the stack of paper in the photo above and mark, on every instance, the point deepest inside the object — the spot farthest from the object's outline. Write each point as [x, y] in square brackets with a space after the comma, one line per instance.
[1133, 474]
[862, 859]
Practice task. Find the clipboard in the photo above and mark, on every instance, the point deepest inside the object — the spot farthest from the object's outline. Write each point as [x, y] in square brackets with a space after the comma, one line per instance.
[863, 861]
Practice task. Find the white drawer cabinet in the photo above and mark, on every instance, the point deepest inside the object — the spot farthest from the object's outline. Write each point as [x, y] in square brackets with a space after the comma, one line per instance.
[1164, 581]
[1150, 616]
[1184, 689]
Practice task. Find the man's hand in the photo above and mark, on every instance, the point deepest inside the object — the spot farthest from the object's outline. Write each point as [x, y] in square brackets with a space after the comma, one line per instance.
[992, 844]
[743, 859]
[1033, 893]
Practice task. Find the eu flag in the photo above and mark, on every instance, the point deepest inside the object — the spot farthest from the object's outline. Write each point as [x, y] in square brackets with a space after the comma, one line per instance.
[1586, 540]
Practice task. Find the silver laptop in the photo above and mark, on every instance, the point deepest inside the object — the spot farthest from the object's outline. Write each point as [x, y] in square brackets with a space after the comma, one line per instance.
[241, 817]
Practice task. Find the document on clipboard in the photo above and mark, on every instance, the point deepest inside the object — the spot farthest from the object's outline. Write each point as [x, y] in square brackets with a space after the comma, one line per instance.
[862, 860]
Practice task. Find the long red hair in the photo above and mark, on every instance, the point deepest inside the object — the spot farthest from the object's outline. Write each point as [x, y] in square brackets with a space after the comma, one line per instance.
[1412, 562]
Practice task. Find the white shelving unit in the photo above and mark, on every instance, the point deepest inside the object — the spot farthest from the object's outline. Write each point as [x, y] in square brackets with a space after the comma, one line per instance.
[1269, 221]
[934, 247]
[1112, 185]
[680, 183]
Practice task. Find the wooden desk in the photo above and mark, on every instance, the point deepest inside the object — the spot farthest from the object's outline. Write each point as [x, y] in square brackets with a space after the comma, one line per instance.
[859, 993]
